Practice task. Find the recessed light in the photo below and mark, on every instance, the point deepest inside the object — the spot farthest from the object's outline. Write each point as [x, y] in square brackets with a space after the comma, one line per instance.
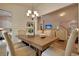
[1, 29]
[62, 14]
[77, 29]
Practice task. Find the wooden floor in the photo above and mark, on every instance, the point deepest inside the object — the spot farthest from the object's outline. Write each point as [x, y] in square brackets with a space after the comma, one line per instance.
[59, 46]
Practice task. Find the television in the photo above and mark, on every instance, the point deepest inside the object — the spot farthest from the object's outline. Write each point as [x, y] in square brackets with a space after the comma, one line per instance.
[48, 26]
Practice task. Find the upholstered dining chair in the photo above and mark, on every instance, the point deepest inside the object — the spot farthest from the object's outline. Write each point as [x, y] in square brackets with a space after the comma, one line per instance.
[22, 51]
[51, 51]
[62, 33]
[17, 44]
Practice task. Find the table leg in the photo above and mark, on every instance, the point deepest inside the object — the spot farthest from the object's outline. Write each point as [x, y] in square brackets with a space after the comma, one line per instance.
[39, 52]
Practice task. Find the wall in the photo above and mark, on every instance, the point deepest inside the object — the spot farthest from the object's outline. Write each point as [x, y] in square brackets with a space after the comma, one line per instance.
[55, 18]
[78, 27]
[18, 19]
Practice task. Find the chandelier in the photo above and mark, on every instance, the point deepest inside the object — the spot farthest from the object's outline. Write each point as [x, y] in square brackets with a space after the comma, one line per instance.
[31, 13]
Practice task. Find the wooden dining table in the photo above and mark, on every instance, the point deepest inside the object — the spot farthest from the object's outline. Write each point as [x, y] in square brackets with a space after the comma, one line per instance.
[39, 43]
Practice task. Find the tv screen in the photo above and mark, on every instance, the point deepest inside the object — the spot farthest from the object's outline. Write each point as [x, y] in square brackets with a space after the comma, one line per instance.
[48, 26]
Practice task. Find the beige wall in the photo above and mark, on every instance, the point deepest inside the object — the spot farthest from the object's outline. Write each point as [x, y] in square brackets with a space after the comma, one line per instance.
[54, 17]
[78, 27]
[18, 19]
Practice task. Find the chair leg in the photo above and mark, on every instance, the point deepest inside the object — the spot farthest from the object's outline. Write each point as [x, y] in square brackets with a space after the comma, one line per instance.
[7, 53]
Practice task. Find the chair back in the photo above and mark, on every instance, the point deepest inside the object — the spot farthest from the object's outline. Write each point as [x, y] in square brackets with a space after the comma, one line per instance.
[21, 32]
[9, 42]
[61, 33]
[53, 33]
[71, 41]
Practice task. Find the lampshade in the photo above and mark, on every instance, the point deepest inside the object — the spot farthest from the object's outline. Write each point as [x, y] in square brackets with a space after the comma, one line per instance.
[27, 14]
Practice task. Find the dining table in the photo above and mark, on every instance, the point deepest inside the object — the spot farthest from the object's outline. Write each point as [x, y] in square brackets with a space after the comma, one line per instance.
[39, 43]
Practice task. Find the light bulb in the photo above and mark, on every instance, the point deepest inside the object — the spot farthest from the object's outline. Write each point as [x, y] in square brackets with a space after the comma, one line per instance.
[35, 12]
[29, 11]
[27, 14]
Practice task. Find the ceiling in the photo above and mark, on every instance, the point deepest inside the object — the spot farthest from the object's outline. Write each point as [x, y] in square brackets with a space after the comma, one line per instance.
[28, 5]
[42, 8]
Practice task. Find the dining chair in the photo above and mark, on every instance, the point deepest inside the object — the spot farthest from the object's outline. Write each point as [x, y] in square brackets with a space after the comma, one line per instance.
[17, 44]
[68, 51]
[62, 33]
[22, 51]
[21, 32]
